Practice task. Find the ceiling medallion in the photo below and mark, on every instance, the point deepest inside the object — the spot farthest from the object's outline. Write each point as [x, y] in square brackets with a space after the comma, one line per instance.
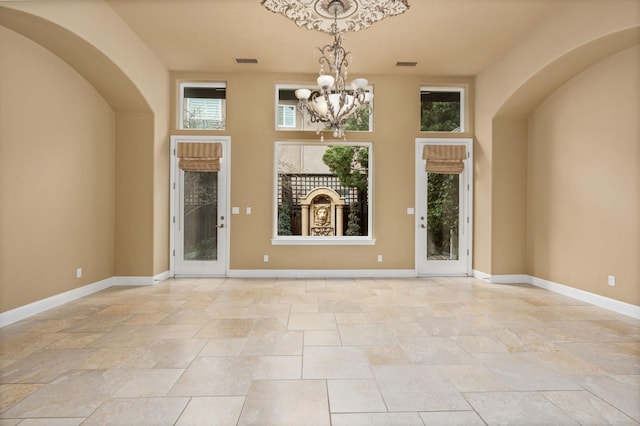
[354, 15]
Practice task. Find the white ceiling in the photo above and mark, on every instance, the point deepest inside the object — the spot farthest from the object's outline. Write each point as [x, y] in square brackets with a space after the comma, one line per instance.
[445, 37]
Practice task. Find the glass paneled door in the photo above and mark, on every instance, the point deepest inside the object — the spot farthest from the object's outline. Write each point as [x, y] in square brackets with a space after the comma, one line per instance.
[443, 213]
[199, 216]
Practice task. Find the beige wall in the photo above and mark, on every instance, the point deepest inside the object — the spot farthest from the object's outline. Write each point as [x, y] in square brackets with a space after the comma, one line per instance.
[584, 181]
[57, 155]
[575, 36]
[251, 98]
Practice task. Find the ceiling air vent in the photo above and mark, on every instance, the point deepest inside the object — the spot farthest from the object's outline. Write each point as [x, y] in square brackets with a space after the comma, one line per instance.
[406, 64]
[246, 61]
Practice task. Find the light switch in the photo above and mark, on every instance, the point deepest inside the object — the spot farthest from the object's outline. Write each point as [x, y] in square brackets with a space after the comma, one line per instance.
[248, 210]
[410, 210]
[235, 210]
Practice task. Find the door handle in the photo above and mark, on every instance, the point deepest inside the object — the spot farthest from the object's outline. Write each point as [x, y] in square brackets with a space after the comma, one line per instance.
[422, 225]
[220, 226]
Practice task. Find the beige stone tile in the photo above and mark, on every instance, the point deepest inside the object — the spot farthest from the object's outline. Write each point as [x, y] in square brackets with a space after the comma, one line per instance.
[274, 343]
[9, 422]
[304, 307]
[186, 316]
[74, 340]
[473, 378]
[479, 344]
[335, 362]
[418, 388]
[76, 394]
[223, 347]
[16, 346]
[276, 367]
[452, 418]
[311, 321]
[226, 328]
[286, 402]
[341, 305]
[11, 394]
[587, 409]
[52, 422]
[367, 335]
[351, 318]
[507, 408]
[146, 319]
[43, 366]
[322, 338]
[622, 392]
[106, 358]
[386, 355]
[376, 419]
[434, 350]
[146, 383]
[138, 411]
[212, 411]
[355, 396]
[524, 372]
[215, 376]
[268, 310]
[606, 356]
[166, 353]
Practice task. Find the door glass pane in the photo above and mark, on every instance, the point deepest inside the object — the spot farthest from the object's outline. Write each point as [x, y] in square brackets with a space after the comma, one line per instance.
[200, 216]
[443, 212]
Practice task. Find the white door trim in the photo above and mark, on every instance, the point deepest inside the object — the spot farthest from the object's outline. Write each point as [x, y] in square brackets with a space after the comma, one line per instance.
[225, 162]
[468, 203]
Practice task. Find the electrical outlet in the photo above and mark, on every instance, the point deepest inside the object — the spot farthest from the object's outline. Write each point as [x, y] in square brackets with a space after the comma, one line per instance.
[266, 258]
[612, 280]
[379, 258]
[79, 273]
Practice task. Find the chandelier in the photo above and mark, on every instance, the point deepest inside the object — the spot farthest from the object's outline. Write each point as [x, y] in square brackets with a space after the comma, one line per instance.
[333, 104]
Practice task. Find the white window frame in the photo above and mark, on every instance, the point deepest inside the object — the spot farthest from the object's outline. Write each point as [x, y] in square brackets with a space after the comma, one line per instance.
[186, 84]
[463, 106]
[284, 124]
[317, 240]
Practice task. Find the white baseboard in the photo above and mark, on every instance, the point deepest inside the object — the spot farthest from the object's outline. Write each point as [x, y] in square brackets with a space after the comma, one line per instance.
[321, 273]
[141, 280]
[26, 311]
[623, 308]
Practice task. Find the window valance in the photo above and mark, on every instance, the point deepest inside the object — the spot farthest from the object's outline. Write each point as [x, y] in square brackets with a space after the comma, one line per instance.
[444, 159]
[199, 157]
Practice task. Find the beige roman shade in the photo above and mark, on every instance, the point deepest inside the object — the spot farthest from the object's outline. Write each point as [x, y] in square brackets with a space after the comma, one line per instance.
[199, 157]
[444, 159]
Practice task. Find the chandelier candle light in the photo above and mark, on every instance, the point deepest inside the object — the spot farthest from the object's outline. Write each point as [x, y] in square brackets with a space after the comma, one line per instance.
[333, 103]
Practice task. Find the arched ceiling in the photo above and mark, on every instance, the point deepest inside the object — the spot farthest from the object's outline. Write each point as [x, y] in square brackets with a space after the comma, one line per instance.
[107, 78]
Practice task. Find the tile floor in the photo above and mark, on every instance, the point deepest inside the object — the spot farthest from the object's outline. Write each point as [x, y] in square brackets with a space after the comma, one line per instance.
[446, 351]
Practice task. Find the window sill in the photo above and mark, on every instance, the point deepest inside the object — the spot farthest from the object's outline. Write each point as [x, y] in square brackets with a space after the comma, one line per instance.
[323, 241]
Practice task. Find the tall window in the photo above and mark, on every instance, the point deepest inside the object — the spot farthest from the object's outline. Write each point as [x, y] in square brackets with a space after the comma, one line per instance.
[322, 193]
[442, 109]
[203, 106]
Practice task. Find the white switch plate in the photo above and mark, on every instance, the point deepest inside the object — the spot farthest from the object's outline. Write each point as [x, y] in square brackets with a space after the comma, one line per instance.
[379, 258]
[248, 210]
[235, 210]
[266, 258]
[410, 210]
[79, 273]
[612, 280]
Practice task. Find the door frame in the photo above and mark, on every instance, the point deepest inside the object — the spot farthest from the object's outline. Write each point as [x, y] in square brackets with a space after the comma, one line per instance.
[225, 181]
[467, 208]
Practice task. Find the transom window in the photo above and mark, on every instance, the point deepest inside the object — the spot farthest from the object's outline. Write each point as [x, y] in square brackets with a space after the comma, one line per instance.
[442, 109]
[203, 106]
[285, 95]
